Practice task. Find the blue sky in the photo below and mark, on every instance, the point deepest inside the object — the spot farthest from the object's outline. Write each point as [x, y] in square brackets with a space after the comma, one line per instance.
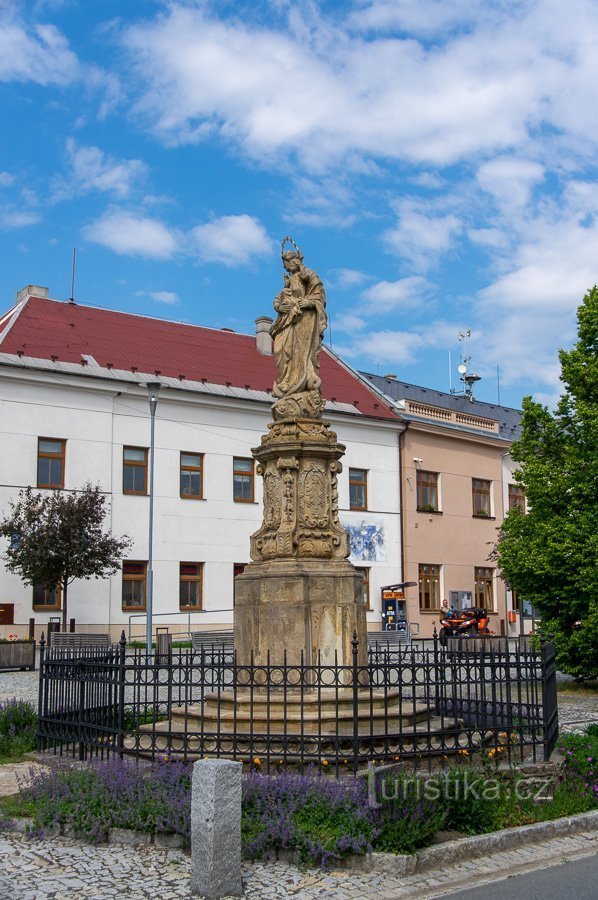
[435, 161]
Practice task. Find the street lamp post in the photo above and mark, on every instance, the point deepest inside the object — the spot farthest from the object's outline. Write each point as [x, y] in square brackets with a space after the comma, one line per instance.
[153, 389]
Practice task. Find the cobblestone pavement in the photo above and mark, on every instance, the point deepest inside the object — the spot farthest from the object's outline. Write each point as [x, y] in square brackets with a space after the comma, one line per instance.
[62, 869]
[22, 685]
[576, 712]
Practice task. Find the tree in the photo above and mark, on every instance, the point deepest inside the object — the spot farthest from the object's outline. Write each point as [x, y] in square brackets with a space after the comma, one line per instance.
[58, 537]
[549, 555]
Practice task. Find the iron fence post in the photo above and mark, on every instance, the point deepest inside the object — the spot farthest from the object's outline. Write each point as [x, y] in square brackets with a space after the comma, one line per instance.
[436, 672]
[120, 672]
[81, 709]
[355, 670]
[42, 682]
[550, 722]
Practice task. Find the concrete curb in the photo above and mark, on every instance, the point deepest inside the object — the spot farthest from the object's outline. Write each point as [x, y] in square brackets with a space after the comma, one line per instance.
[468, 848]
[117, 837]
[429, 858]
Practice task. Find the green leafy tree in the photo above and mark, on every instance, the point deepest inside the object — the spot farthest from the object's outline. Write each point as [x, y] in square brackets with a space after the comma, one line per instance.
[58, 537]
[549, 555]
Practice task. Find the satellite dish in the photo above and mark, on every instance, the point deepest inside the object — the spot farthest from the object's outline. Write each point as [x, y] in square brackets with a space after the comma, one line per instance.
[461, 369]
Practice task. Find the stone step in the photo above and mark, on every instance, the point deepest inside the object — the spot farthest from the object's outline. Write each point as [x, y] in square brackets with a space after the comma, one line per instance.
[437, 737]
[326, 700]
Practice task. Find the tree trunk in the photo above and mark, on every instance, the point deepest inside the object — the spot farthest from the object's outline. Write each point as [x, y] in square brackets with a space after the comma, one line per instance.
[65, 587]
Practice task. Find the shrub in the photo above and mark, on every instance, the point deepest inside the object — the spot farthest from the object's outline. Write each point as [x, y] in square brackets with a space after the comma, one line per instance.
[114, 794]
[471, 800]
[580, 762]
[409, 815]
[322, 819]
[18, 726]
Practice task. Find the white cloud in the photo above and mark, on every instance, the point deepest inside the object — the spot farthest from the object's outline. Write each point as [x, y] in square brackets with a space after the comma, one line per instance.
[170, 298]
[552, 268]
[6, 179]
[347, 323]
[12, 218]
[510, 180]
[498, 75]
[427, 180]
[528, 310]
[419, 237]
[406, 293]
[421, 17]
[348, 278]
[231, 240]
[92, 170]
[393, 347]
[40, 53]
[488, 237]
[132, 234]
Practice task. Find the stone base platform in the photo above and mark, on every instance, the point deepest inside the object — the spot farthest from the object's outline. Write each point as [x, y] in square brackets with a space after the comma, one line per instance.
[319, 724]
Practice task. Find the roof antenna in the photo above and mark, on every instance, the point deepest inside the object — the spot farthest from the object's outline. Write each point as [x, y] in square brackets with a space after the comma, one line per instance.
[468, 379]
[72, 297]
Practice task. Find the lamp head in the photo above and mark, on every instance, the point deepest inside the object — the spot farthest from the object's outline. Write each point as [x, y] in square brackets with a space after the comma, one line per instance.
[153, 389]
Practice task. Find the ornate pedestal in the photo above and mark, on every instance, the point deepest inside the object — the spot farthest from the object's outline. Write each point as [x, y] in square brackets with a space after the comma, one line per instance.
[300, 593]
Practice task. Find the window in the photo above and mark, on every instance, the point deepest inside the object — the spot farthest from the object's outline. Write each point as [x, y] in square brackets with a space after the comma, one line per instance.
[427, 491]
[480, 496]
[192, 476]
[134, 470]
[516, 497]
[134, 581]
[358, 489]
[46, 598]
[364, 574]
[190, 585]
[429, 586]
[484, 587]
[50, 463]
[242, 480]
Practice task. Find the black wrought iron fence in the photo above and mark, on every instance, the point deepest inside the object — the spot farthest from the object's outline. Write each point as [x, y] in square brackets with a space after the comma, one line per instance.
[416, 703]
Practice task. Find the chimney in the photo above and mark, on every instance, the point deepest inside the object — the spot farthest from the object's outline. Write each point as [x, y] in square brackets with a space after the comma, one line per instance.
[32, 290]
[262, 335]
[391, 376]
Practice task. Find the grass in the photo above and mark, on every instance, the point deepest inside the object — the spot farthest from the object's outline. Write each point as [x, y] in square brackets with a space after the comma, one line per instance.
[18, 726]
[17, 806]
[579, 688]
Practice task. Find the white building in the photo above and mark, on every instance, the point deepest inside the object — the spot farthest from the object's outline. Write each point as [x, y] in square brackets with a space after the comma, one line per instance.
[74, 408]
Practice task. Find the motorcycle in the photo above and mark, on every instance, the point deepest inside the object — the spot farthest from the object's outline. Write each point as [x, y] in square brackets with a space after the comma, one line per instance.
[463, 623]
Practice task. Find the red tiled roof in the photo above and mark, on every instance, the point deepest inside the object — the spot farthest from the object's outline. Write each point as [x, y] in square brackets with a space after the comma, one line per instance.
[47, 329]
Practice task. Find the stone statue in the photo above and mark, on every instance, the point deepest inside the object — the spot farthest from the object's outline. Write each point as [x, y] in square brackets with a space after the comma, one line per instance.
[298, 332]
[300, 593]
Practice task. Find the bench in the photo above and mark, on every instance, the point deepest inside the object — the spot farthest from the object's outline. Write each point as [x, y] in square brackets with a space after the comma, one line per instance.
[388, 641]
[71, 643]
[212, 643]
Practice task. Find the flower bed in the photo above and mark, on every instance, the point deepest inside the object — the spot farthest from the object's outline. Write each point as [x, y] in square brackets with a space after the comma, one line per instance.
[320, 819]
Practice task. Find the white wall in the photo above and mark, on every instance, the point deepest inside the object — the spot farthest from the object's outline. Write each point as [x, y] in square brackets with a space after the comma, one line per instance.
[97, 418]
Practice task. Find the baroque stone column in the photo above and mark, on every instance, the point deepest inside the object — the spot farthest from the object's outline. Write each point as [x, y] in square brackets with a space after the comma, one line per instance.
[300, 594]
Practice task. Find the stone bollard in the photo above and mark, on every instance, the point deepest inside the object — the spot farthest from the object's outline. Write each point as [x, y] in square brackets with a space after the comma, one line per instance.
[216, 829]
